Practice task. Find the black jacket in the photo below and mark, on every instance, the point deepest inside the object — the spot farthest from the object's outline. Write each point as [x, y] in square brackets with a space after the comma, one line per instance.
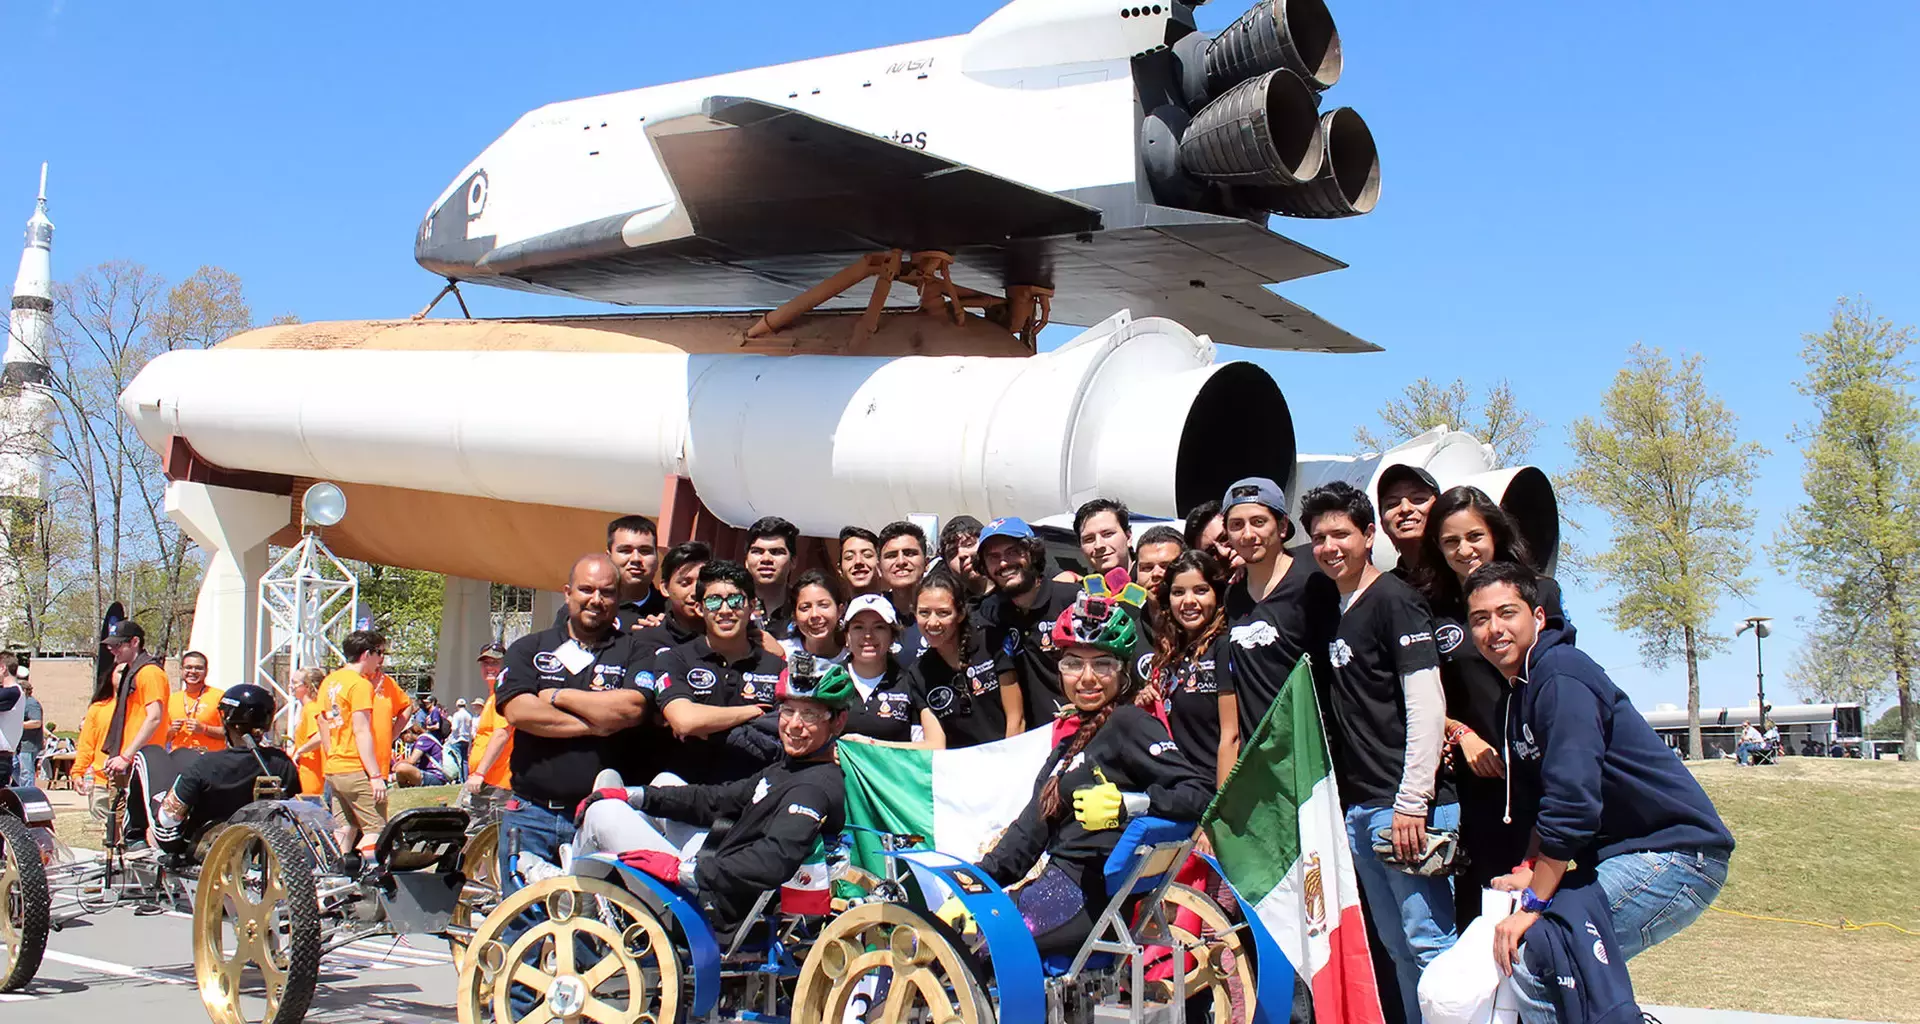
[1135, 753]
[778, 815]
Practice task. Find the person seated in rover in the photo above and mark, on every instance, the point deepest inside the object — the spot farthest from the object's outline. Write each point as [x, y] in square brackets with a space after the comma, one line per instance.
[217, 784]
[778, 814]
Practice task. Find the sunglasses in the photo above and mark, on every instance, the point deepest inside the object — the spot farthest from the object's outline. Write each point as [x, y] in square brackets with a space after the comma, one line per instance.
[716, 602]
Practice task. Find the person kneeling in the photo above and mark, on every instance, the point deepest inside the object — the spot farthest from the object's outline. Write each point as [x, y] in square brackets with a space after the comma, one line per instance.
[217, 784]
[1117, 763]
[778, 814]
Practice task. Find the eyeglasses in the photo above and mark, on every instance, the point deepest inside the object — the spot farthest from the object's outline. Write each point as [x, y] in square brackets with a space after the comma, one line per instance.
[1073, 664]
[715, 602]
[809, 715]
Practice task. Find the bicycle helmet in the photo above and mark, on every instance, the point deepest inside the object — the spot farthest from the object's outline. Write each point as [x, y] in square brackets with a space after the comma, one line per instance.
[246, 707]
[1098, 619]
[834, 688]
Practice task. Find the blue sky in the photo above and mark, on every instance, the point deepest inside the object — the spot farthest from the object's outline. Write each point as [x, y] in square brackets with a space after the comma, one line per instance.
[1561, 181]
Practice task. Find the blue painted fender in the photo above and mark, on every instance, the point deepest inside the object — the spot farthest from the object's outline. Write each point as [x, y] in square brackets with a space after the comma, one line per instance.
[1010, 947]
[1273, 987]
[701, 943]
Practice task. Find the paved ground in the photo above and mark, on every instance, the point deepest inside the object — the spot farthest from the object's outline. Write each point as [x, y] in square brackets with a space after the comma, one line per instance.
[119, 968]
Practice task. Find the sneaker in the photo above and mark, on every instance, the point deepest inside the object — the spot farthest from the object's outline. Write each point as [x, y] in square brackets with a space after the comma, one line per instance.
[534, 869]
[608, 779]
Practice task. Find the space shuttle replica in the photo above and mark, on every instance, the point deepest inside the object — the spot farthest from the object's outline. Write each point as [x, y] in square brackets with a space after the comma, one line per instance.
[857, 254]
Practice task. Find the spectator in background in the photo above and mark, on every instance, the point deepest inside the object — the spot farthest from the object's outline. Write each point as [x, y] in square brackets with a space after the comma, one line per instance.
[860, 561]
[420, 762]
[430, 717]
[959, 546]
[489, 771]
[13, 711]
[1104, 530]
[195, 709]
[1750, 742]
[89, 753]
[307, 739]
[460, 739]
[33, 735]
[140, 697]
[771, 544]
[358, 700]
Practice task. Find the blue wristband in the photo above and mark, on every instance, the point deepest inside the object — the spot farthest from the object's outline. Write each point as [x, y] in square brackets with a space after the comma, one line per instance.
[1532, 903]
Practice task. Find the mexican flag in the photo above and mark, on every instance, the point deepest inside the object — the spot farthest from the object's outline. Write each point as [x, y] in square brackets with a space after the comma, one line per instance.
[1280, 836]
[807, 891]
[960, 800]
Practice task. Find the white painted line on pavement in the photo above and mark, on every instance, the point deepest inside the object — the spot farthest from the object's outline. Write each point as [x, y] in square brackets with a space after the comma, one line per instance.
[15, 997]
[109, 967]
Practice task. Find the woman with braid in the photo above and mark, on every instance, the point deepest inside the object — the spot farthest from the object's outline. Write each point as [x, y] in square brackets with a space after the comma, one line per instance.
[1193, 607]
[1112, 761]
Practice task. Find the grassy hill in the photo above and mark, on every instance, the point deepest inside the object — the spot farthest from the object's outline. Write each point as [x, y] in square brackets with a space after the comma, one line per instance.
[1818, 840]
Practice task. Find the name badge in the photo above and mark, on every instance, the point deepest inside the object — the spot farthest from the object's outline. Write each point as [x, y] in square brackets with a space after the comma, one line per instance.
[573, 656]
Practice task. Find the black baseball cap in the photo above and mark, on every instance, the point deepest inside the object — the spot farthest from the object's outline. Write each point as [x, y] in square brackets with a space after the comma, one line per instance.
[124, 630]
[1402, 470]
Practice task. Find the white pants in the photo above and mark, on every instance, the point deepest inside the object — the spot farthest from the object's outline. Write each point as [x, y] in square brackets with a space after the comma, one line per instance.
[612, 826]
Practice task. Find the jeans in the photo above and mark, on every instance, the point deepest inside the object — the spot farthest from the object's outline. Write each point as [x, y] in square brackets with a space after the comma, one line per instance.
[461, 749]
[1653, 896]
[1743, 753]
[1414, 914]
[529, 828]
[25, 763]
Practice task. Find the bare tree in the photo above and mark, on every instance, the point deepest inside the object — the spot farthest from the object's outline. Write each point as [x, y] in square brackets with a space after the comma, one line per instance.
[1497, 420]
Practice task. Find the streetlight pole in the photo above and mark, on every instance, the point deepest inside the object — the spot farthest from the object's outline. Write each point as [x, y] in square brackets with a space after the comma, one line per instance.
[1758, 623]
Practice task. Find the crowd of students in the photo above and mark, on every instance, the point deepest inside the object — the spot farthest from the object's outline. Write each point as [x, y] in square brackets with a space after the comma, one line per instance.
[1473, 744]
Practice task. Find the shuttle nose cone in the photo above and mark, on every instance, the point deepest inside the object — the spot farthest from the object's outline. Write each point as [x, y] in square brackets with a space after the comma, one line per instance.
[450, 239]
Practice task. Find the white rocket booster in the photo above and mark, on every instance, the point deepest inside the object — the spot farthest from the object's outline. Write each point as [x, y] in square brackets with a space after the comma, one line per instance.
[25, 402]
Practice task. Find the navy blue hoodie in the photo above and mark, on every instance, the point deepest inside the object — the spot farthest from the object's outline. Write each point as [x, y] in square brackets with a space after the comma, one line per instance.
[1604, 782]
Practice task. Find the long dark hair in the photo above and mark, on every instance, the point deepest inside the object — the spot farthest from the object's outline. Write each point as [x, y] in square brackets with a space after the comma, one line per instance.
[1170, 647]
[1433, 576]
[941, 577]
[830, 583]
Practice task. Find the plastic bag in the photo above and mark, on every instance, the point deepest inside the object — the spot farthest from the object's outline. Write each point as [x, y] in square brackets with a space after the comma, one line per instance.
[1460, 985]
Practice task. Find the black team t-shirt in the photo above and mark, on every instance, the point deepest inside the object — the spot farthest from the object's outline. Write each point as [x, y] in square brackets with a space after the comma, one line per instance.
[1190, 693]
[696, 672]
[1024, 638]
[966, 700]
[558, 772]
[1386, 633]
[887, 712]
[1266, 639]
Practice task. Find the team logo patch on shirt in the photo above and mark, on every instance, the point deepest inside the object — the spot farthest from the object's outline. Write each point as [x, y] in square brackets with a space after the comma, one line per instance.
[547, 661]
[1012, 644]
[701, 679]
[1449, 636]
[1143, 665]
[644, 680]
[760, 791]
[803, 809]
[748, 690]
[1162, 747]
[1409, 639]
[1339, 653]
[1254, 634]
[940, 699]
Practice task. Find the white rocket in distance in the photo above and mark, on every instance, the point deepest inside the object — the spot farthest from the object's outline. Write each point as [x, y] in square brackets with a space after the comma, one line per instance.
[25, 402]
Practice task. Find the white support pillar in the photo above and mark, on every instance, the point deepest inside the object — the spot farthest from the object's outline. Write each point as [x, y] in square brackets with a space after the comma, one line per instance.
[466, 622]
[232, 527]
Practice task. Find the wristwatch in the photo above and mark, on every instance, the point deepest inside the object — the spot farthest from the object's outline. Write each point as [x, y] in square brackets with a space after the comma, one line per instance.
[1532, 903]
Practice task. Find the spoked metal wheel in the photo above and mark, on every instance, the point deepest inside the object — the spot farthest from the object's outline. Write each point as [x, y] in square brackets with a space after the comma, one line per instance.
[912, 965]
[24, 904]
[571, 949]
[256, 927]
[480, 863]
[1221, 968]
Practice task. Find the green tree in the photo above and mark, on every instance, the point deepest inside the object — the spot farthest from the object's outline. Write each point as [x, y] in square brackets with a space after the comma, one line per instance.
[1665, 463]
[406, 607]
[1831, 668]
[1887, 727]
[1497, 420]
[1855, 540]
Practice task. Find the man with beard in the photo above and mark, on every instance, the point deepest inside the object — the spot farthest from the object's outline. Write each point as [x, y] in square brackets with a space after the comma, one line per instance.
[771, 543]
[1020, 613]
[860, 561]
[1407, 494]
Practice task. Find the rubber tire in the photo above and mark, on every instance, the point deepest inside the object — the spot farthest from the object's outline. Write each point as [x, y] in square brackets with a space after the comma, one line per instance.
[17, 845]
[303, 917]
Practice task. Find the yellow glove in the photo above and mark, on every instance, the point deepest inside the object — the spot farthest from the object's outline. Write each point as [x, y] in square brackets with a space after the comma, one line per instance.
[954, 913]
[1098, 807]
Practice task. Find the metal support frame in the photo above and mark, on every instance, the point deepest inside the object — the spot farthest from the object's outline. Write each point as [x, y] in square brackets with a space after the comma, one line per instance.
[1112, 933]
[306, 598]
[1023, 312]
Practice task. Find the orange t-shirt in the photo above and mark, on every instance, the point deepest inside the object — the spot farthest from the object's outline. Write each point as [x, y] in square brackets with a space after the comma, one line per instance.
[491, 722]
[205, 710]
[388, 701]
[313, 779]
[93, 731]
[149, 686]
[343, 694]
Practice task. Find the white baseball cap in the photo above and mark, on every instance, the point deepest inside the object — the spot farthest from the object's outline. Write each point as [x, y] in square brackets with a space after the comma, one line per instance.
[876, 603]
